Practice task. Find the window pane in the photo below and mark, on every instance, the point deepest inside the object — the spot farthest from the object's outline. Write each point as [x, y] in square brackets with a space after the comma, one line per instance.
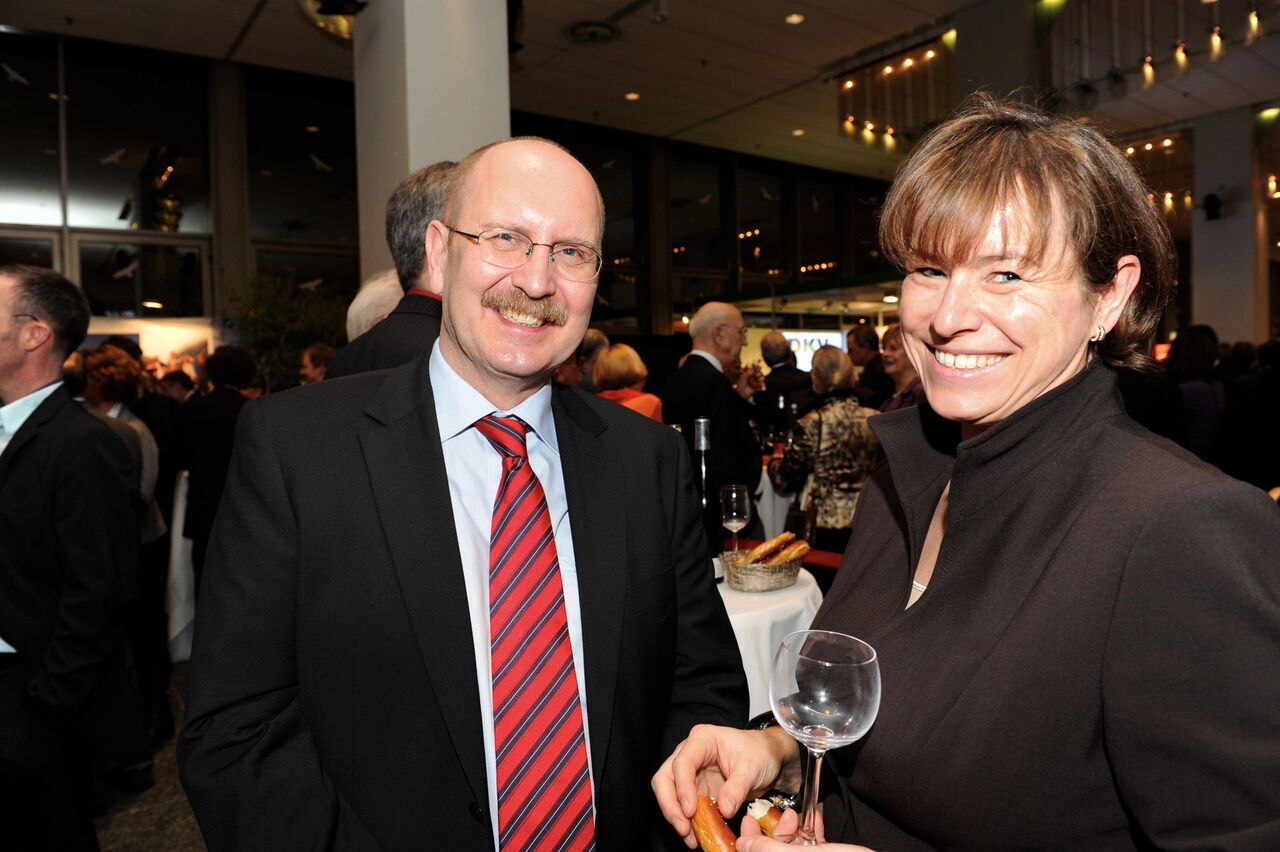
[338, 273]
[820, 245]
[760, 221]
[302, 157]
[29, 143]
[137, 138]
[32, 251]
[697, 240]
[689, 293]
[128, 280]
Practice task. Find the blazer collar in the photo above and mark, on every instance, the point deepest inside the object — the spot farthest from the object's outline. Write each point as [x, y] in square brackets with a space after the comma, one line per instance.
[44, 412]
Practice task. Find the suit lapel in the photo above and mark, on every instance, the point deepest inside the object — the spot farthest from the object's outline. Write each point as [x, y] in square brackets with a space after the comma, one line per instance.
[598, 518]
[43, 414]
[406, 468]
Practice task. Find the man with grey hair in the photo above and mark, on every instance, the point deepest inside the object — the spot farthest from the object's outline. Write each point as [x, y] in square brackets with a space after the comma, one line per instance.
[414, 325]
[701, 388]
[785, 382]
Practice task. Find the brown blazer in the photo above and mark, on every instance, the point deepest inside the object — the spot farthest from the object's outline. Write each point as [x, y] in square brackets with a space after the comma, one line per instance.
[1096, 662]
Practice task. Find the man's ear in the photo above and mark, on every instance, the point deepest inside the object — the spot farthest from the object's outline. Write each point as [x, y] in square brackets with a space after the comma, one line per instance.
[435, 249]
[35, 334]
[1113, 297]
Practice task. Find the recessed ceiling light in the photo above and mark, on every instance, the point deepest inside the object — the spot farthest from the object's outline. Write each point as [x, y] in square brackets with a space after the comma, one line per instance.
[890, 298]
[799, 131]
[794, 18]
[632, 96]
[311, 128]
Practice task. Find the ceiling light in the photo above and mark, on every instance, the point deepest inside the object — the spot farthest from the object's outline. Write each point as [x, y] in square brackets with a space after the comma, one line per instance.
[799, 131]
[1166, 143]
[888, 69]
[632, 96]
[311, 128]
[794, 18]
[848, 84]
[153, 305]
[891, 298]
[929, 54]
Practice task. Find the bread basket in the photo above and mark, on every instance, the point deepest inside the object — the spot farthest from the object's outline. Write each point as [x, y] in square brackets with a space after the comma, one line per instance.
[758, 577]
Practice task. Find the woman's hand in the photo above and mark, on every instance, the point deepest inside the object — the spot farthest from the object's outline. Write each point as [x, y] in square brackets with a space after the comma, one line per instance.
[784, 836]
[728, 764]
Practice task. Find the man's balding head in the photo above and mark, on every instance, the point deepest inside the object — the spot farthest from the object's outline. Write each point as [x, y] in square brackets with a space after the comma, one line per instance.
[718, 328]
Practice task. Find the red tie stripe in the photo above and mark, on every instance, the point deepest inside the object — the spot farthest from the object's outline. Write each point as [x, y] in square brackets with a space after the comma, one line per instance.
[544, 789]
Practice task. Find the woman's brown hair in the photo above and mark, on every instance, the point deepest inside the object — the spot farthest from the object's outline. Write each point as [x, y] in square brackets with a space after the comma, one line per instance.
[1064, 176]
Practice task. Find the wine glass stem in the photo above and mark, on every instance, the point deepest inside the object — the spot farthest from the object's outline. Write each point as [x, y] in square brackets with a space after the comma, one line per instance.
[733, 541]
[809, 814]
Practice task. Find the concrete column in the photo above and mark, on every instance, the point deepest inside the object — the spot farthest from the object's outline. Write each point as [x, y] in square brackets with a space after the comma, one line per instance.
[1228, 258]
[229, 189]
[995, 48]
[431, 85]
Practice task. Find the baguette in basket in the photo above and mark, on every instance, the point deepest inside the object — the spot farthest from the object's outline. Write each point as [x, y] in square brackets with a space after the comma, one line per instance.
[781, 548]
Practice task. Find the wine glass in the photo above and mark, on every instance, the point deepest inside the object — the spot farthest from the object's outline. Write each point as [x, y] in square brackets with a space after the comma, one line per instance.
[825, 692]
[735, 510]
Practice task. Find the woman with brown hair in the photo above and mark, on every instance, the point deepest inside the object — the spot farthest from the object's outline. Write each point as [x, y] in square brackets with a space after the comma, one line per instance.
[831, 455]
[620, 373]
[907, 390]
[1077, 621]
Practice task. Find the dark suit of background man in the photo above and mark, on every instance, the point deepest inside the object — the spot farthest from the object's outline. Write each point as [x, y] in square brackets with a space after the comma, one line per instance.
[785, 381]
[68, 552]
[701, 389]
[340, 684]
[414, 325]
[874, 387]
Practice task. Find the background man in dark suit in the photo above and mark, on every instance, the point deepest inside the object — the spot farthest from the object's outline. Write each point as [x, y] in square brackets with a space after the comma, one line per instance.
[700, 388]
[874, 386]
[68, 552]
[341, 677]
[413, 326]
[785, 382]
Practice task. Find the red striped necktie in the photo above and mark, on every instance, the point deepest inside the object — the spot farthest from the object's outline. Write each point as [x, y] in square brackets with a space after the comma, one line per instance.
[544, 788]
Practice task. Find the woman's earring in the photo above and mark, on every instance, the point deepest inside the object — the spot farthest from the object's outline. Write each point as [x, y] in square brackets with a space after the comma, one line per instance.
[1098, 333]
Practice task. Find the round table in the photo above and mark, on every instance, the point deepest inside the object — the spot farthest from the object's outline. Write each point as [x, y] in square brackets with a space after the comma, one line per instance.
[760, 621]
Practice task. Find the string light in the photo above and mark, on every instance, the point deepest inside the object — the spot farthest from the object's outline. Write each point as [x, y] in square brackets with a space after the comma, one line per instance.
[1128, 151]
[929, 54]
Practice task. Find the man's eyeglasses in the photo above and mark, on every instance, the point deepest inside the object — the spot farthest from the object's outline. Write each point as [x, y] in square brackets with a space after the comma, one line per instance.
[512, 249]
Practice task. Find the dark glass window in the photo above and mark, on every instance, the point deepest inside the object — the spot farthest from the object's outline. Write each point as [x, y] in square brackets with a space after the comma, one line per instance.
[29, 144]
[760, 222]
[137, 138]
[302, 157]
[697, 236]
[130, 280]
[337, 272]
[821, 247]
[689, 292]
[33, 250]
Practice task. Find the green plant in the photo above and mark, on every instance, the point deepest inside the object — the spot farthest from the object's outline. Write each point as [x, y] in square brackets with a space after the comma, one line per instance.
[277, 318]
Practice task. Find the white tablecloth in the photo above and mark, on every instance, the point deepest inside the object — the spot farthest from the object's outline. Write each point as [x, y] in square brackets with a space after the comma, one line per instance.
[180, 586]
[761, 620]
[772, 506]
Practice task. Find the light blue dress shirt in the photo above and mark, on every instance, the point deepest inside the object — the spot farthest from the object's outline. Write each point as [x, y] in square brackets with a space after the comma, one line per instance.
[12, 416]
[474, 469]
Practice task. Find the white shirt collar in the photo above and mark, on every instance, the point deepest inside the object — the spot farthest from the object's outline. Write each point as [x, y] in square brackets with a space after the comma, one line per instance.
[14, 414]
[715, 362]
[459, 405]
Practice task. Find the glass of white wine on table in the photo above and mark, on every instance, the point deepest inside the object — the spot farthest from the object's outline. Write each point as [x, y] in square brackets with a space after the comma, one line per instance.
[825, 692]
[735, 510]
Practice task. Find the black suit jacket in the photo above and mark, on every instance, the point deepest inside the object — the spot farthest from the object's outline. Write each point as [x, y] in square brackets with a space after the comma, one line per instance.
[208, 434]
[68, 555]
[334, 702]
[785, 382]
[404, 334]
[700, 390]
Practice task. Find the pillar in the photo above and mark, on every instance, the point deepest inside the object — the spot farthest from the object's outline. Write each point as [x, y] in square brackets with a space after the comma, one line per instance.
[431, 85]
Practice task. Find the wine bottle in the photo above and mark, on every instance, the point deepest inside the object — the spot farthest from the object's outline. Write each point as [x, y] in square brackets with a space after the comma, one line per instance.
[707, 489]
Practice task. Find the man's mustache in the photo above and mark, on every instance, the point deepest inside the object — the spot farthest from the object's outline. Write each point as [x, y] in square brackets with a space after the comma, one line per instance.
[515, 301]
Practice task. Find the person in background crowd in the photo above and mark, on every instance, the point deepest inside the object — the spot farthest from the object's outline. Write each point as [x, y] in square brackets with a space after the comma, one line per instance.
[1192, 360]
[569, 373]
[348, 669]
[1077, 622]
[209, 428]
[1252, 422]
[702, 388]
[377, 297]
[315, 361]
[873, 387]
[256, 388]
[593, 343]
[68, 553]
[907, 390]
[785, 382]
[621, 374]
[414, 325]
[833, 452]
[177, 385]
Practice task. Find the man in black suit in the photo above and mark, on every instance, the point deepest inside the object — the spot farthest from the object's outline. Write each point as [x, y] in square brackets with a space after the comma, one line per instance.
[786, 383]
[700, 388]
[414, 325]
[341, 691]
[874, 387]
[68, 552]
